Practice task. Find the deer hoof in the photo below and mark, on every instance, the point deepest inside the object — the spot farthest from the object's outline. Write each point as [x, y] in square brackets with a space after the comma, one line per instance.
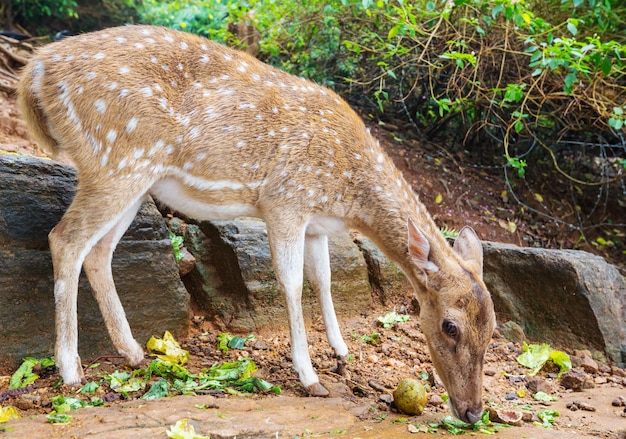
[317, 390]
[135, 355]
[341, 367]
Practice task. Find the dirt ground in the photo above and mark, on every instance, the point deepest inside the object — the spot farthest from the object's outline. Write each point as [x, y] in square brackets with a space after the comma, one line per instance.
[359, 406]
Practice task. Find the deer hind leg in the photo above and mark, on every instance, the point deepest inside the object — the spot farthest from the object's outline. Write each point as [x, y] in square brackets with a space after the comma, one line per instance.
[317, 271]
[287, 248]
[92, 214]
[97, 267]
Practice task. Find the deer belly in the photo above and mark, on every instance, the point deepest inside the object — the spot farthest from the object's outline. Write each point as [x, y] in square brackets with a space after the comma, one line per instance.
[207, 204]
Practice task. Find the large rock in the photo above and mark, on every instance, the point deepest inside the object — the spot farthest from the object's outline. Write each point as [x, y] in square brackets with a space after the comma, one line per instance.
[234, 278]
[570, 298]
[34, 194]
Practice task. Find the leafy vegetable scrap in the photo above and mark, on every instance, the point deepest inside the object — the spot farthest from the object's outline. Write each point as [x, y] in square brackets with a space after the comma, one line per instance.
[182, 430]
[457, 427]
[226, 341]
[8, 413]
[24, 375]
[391, 318]
[535, 356]
[168, 349]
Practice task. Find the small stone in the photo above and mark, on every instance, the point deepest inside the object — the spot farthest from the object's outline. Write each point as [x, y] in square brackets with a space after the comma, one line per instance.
[512, 332]
[186, 263]
[600, 380]
[260, 345]
[589, 383]
[435, 400]
[619, 402]
[536, 384]
[589, 365]
[603, 368]
[527, 416]
[512, 396]
[618, 371]
[386, 398]
[575, 405]
[373, 358]
[490, 372]
[573, 380]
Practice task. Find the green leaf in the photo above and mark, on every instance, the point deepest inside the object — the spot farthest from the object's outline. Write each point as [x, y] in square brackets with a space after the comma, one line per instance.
[160, 389]
[24, 375]
[571, 27]
[562, 360]
[535, 356]
[182, 430]
[393, 32]
[59, 418]
[547, 417]
[90, 387]
[391, 318]
[570, 79]
[544, 397]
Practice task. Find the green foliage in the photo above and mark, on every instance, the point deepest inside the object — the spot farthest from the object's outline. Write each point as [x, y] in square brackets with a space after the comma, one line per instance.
[202, 17]
[37, 11]
[177, 243]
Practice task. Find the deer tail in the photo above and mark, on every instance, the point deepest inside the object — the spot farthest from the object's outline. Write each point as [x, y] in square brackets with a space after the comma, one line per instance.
[31, 108]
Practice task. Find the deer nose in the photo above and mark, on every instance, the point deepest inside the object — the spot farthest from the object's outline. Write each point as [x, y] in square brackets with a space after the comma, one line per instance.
[473, 416]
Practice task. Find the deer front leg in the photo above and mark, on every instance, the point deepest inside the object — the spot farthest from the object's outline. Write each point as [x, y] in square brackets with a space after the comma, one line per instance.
[288, 257]
[97, 266]
[317, 270]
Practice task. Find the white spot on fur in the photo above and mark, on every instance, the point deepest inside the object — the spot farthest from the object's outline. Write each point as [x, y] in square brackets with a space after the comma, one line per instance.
[157, 146]
[131, 125]
[101, 106]
[124, 70]
[111, 136]
[204, 58]
[194, 132]
[147, 91]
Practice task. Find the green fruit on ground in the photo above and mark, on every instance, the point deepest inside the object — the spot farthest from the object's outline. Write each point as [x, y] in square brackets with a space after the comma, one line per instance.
[410, 397]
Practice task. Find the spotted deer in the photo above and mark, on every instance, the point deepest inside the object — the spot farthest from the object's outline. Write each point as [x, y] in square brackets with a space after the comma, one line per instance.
[216, 134]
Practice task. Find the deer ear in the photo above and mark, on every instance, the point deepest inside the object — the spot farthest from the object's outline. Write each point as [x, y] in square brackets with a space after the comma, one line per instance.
[468, 246]
[419, 249]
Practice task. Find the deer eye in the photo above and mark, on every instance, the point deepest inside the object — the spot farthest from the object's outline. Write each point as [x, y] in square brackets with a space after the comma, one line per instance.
[450, 328]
